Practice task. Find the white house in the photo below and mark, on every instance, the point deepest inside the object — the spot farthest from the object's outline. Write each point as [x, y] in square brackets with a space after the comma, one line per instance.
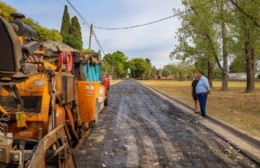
[258, 66]
[237, 76]
[257, 74]
[242, 76]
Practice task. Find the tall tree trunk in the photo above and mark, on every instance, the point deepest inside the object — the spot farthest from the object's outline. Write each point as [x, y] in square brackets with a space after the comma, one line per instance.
[250, 61]
[224, 69]
[210, 72]
[250, 68]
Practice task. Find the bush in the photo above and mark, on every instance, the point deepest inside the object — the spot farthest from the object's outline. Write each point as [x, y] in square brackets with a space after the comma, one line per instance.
[72, 41]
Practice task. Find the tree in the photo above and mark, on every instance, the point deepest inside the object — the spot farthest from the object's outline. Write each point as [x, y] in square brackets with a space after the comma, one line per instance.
[65, 25]
[247, 36]
[43, 34]
[55, 35]
[75, 30]
[88, 51]
[224, 68]
[170, 70]
[153, 72]
[254, 18]
[197, 37]
[71, 31]
[138, 67]
[238, 65]
[116, 63]
[211, 32]
[149, 67]
[179, 71]
[6, 10]
[72, 41]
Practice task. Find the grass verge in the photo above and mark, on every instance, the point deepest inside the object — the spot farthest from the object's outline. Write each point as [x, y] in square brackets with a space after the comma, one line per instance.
[113, 82]
[242, 110]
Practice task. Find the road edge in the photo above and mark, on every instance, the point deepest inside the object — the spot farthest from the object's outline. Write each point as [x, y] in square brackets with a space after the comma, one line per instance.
[114, 83]
[250, 145]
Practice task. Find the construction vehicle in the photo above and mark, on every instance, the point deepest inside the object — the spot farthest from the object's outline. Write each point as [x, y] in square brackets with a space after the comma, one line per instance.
[50, 97]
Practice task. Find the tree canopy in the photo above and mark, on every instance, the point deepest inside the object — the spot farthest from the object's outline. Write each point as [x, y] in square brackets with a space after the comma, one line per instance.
[213, 32]
[65, 25]
[116, 64]
[138, 68]
[179, 71]
[6, 10]
[71, 30]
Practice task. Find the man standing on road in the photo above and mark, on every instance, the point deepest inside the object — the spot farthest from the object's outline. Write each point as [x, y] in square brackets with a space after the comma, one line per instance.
[202, 90]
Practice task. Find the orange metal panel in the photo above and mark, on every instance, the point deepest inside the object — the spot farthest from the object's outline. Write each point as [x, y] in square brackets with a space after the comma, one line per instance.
[36, 85]
[89, 95]
[86, 98]
[33, 86]
[46, 98]
[60, 116]
[30, 132]
[33, 117]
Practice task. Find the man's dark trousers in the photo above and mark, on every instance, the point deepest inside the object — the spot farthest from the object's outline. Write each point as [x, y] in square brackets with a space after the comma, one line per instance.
[203, 100]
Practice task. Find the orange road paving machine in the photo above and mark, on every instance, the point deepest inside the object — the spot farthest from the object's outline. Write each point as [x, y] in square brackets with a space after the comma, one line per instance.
[50, 96]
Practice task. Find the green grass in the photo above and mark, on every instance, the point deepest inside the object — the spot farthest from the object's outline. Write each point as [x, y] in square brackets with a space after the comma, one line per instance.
[235, 107]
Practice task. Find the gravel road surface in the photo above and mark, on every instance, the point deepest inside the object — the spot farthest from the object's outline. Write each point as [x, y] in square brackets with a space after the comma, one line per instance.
[140, 129]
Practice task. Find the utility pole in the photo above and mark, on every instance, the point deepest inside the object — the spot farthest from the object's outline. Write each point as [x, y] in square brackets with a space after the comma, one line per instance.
[90, 36]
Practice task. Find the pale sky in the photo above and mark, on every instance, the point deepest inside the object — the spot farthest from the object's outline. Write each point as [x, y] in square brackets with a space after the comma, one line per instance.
[153, 41]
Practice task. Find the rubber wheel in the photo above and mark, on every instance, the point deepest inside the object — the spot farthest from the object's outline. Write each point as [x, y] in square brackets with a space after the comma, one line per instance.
[106, 102]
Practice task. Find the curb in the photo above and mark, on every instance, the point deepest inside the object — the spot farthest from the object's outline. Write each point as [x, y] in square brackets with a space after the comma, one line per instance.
[248, 145]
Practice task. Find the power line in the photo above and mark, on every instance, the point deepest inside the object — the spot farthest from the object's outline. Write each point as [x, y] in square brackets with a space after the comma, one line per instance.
[89, 25]
[64, 3]
[95, 36]
[149, 23]
[73, 7]
[135, 26]
[128, 27]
